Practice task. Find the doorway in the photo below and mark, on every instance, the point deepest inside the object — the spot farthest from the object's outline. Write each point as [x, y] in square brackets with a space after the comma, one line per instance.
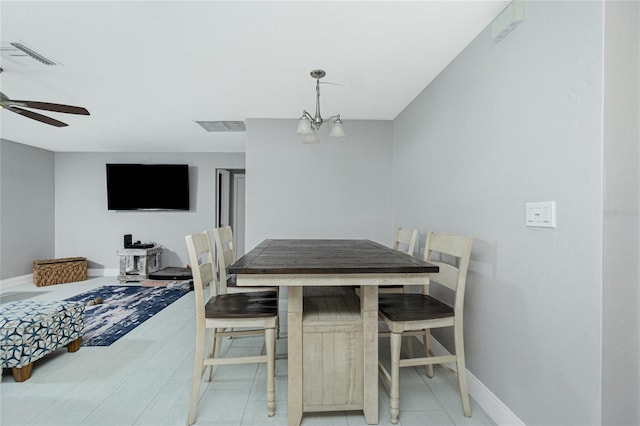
[230, 204]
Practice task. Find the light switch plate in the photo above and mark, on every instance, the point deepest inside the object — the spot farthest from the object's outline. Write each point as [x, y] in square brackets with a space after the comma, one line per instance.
[541, 214]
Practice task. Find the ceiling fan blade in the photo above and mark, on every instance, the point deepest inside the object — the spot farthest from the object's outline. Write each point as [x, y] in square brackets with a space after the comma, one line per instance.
[36, 116]
[67, 109]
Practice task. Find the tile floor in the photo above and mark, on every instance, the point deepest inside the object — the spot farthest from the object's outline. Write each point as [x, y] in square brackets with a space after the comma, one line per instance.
[144, 379]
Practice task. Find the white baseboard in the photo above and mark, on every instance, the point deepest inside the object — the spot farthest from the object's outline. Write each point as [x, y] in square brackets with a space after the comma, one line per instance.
[101, 272]
[15, 281]
[28, 279]
[491, 404]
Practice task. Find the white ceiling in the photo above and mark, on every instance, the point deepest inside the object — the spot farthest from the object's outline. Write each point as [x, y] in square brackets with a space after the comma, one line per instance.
[146, 70]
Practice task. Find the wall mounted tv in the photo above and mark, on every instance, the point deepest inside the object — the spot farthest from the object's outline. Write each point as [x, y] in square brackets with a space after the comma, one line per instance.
[147, 186]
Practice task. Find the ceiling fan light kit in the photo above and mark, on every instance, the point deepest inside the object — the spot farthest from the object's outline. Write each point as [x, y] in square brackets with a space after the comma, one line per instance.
[308, 124]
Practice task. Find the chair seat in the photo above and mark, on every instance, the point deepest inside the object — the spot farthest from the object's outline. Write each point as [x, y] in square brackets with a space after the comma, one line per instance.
[412, 307]
[243, 305]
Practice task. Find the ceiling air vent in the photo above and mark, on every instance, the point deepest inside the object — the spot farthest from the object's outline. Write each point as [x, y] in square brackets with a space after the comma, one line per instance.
[222, 126]
[22, 54]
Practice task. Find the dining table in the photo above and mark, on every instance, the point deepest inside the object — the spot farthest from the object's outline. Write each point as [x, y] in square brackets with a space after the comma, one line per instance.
[332, 329]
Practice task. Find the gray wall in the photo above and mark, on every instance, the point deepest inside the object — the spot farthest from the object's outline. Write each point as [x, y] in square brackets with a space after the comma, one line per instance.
[26, 207]
[503, 124]
[332, 189]
[84, 226]
[621, 270]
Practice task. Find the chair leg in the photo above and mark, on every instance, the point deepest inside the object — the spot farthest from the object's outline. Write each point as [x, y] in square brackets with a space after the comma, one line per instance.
[462, 371]
[211, 353]
[197, 375]
[278, 319]
[394, 392]
[427, 350]
[409, 346]
[217, 345]
[270, 348]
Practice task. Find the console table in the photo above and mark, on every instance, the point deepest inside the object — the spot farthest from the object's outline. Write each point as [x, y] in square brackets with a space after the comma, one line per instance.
[137, 264]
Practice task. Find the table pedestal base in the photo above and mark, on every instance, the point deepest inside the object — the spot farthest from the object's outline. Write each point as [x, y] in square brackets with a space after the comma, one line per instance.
[333, 337]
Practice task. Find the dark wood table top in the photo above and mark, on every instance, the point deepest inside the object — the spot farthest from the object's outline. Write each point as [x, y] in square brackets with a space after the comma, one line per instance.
[327, 257]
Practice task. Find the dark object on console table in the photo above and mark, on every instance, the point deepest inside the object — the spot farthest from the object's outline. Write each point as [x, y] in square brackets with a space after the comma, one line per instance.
[172, 273]
[139, 245]
[59, 271]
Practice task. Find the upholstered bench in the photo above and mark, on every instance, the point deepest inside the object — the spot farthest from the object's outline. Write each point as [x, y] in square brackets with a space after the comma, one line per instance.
[31, 330]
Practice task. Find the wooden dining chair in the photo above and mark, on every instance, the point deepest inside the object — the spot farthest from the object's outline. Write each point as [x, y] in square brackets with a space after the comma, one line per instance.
[409, 313]
[405, 241]
[226, 255]
[226, 311]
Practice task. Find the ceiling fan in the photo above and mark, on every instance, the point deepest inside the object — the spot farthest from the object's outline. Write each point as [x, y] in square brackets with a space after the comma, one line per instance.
[17, 107]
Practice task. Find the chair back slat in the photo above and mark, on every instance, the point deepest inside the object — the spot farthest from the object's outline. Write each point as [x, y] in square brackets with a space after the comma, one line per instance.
[225, 254]
[406, 240]
[447, 276]
[447, 243]
[207, 273]
[227, 258]
[225, 238]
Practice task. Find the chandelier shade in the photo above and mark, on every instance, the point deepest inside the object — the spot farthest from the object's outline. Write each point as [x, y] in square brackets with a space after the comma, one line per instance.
[337, 130]
[304, 126]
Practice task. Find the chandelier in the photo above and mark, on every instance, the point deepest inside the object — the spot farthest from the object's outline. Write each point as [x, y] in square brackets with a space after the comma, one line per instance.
[307, 125]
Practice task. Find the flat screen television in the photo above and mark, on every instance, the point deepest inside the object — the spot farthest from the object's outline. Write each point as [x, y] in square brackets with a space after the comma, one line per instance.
[147, 187]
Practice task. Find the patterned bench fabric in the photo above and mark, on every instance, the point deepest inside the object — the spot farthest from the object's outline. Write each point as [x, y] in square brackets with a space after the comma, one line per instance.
[31, 330]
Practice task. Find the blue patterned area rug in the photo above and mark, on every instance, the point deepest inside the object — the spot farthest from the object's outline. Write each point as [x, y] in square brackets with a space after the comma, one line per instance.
[123, 309]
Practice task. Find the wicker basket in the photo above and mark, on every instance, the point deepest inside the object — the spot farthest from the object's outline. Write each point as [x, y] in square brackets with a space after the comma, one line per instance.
[58, 271]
